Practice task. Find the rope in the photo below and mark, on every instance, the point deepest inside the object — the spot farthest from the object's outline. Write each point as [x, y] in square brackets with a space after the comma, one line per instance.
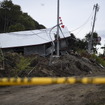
[48, 81]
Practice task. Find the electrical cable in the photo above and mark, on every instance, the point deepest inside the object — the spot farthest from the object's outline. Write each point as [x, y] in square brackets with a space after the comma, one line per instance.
[51, 31]
[83, 23]
[39, 36]
[53, 44]
[63, 36]
[14, 33]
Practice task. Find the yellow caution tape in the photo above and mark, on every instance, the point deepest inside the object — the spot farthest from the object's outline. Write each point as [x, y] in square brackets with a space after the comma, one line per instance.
[48, 80]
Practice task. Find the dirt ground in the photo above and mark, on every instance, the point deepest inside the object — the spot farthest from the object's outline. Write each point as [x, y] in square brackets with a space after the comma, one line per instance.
[62, 94]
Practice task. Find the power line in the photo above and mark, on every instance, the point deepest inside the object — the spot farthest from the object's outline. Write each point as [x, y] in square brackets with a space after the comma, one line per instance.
[39, 36]
[83, 23]
[20, 34]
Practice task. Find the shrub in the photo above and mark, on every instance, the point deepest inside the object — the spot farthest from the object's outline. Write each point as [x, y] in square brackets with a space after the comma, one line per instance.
[22, 64]
[84, 53]
[98, 59]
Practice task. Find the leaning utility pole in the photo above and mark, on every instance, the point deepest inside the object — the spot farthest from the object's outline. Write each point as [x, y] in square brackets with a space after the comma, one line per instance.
[57, 28]
[90, 43]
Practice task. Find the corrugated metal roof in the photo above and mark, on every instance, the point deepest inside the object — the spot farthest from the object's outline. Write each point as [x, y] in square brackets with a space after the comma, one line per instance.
[28, 38]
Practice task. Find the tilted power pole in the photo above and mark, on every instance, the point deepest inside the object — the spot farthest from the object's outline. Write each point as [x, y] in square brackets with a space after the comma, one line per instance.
[90, 43]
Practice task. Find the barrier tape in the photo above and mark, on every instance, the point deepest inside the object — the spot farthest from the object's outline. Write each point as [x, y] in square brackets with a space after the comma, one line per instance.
[47, 81]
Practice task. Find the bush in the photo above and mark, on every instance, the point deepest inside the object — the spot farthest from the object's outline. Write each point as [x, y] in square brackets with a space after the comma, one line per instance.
[22, 64]
[15, 63]
[84, 53]
[98, 59]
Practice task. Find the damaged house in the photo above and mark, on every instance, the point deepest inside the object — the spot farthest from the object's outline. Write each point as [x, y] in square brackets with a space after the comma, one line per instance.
[34, 41]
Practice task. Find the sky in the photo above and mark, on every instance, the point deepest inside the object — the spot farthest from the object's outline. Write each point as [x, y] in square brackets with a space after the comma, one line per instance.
[74, 14]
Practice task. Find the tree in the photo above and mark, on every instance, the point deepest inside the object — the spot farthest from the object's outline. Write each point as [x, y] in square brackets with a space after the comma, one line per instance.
[16, 27]
[96, 40]
[11, 17]
[76, 44]
[81, 44]
[9, 14]
[72, 41]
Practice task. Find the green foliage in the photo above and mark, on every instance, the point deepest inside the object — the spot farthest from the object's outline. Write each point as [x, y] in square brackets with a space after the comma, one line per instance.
[95, 40]
[27, 21]
[40, 26]
[94, 57]
[76, 44]
[22, 64]
[81, 44]
[16, 63]
[11, 17]
[84, 53]
[72, 41]
[98, 59]
[16, 27]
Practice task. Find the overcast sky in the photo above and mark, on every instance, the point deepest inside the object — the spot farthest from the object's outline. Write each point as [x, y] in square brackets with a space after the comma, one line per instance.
[74, 13]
